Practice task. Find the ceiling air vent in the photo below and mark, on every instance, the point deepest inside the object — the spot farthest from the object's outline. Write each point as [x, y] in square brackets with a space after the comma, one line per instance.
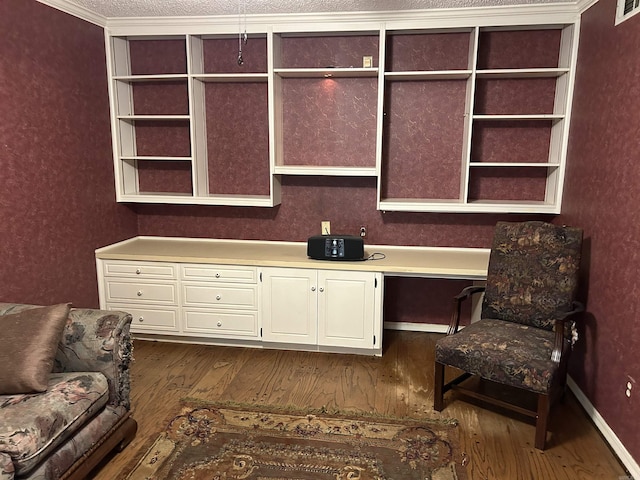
[626, 9]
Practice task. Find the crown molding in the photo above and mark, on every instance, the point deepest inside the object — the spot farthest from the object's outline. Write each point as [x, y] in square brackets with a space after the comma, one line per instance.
[430, 18]
[530, 14]
[584, 5]
[77, 11]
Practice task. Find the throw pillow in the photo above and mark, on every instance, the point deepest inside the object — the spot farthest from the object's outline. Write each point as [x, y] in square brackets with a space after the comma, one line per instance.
[28, 344]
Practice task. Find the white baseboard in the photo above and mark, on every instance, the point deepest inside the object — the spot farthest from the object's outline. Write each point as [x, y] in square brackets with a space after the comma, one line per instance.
[609, 435]
[416, 327]
[606, 431]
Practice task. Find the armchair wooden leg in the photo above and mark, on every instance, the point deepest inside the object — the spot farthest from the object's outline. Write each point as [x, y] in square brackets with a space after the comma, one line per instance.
[438, 386]
[541, 421]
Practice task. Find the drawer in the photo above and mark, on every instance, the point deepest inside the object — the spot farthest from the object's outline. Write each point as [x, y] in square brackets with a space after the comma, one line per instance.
[140, 269]
[141, 292]
[221, 323]
[147, 318]
[220, 296]
[214, 273]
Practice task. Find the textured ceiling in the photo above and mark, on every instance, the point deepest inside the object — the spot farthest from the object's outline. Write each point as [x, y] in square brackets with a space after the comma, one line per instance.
[159, 8]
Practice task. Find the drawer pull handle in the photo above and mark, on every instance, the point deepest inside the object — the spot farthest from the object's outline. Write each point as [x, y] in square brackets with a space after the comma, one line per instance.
[217, 275]
[218, 297]
[313, 289]
[138, 271]
[139, 293]
[321, 289]
[219, 324]
[141, 319]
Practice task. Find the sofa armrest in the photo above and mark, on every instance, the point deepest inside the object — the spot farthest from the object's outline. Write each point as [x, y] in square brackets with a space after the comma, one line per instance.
[98, 341]
[94, 341]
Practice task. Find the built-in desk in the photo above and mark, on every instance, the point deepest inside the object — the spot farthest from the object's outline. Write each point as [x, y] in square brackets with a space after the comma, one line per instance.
[263, 293]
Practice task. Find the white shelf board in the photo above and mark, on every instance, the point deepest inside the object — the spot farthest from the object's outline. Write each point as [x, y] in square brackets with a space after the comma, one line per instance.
[232, 77]
[542, 116]
[452, 206]
[327, 171]
[170, 77]
[327, 72]
[513, 164]
[187, 199]
[153, 117]
[162, 159]
[429, 75]
[522, 73]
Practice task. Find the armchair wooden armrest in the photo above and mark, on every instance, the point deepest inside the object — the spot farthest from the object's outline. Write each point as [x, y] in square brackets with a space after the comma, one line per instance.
[457, 303]
[559, 328]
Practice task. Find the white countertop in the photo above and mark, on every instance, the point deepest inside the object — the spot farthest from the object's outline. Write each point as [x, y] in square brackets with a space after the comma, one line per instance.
[436, 262]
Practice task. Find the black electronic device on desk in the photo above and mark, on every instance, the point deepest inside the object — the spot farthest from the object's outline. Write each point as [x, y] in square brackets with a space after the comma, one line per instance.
[335, 247]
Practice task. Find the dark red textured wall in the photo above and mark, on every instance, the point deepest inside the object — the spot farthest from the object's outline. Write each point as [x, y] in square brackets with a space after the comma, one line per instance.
[602, 195]
[57, 197]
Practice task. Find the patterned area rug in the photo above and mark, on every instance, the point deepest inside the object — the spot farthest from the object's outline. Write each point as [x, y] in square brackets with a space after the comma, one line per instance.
[208, 441]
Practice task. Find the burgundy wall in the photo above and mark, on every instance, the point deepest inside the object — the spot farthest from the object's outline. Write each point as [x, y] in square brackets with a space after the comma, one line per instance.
[57, 196]
[602, 195]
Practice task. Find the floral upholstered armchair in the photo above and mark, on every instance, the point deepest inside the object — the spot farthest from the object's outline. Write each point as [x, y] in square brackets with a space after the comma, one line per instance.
[525, 333]
[64, 390]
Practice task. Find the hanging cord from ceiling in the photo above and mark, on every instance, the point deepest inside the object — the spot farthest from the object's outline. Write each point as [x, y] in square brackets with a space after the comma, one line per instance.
[242, 33]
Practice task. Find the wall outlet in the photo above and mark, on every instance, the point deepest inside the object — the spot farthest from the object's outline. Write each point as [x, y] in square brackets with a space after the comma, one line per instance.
[326, 228]
[363, 231]
[629, 386]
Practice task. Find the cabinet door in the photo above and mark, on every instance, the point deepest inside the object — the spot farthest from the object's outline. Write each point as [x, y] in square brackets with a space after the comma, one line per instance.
[349, 309]
[289, 305]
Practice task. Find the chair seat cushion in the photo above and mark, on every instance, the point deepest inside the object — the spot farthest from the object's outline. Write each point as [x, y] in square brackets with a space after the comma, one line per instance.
[504, 352]
[33, 425]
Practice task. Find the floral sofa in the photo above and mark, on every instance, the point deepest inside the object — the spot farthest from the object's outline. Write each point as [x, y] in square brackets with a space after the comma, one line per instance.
[83, 412]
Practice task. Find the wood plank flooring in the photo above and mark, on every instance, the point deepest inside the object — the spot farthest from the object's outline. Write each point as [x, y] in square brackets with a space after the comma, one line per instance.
[498, 445]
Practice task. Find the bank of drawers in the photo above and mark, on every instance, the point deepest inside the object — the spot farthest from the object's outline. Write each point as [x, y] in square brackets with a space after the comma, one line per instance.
[184, 299]
[219, 300]
[147, 290]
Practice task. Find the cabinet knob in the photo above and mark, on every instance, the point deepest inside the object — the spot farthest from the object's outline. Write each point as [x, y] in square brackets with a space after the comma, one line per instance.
[217, 275]
[138, 271]
[141, 319]
[219, 324]
[218, 297]
[313, 289]
[139, 293]
[322, 289]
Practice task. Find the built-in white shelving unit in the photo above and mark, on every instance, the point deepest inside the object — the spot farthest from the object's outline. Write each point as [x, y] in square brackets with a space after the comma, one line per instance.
[450, 113]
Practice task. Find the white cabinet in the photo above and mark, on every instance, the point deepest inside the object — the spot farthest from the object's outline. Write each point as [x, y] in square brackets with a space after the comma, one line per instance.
[191, 300]
[289, 302]
[327, 308]
[219, 301]
[147, 290]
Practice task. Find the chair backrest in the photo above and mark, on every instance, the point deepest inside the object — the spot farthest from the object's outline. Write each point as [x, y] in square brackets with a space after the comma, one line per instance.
[533, 273]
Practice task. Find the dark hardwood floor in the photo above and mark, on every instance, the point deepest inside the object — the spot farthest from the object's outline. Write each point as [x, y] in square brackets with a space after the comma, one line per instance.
[498, 445]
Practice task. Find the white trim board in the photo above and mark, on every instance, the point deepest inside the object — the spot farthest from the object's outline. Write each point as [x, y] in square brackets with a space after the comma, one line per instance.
[606, 431]
[77, 11]
[571, 7]
[416, 327]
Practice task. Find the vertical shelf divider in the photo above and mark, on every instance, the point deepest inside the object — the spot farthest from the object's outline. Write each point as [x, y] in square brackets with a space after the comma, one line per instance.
[274, 113]
[124, 138]
[562, 106]
[380, 120]
[197, 112]
[469, 111]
